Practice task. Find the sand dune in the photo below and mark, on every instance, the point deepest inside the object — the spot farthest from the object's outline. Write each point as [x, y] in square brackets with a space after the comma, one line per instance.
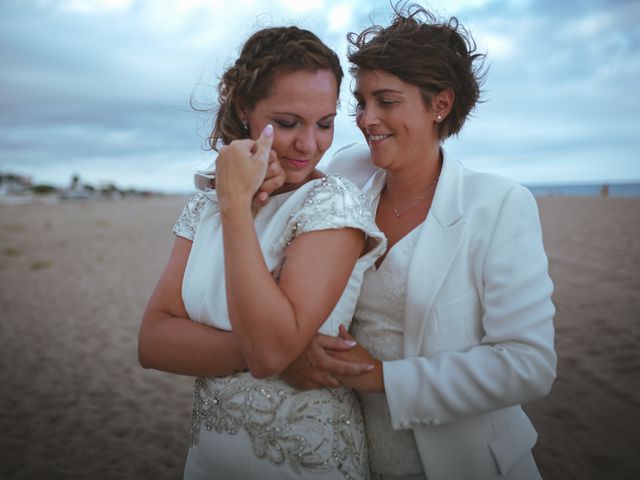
[74, 404]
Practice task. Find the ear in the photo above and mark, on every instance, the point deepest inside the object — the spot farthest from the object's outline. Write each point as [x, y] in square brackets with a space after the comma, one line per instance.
[442, 102]
[241, 110]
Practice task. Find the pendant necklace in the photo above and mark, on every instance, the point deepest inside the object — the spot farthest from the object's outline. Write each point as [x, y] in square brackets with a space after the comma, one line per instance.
[399, 212]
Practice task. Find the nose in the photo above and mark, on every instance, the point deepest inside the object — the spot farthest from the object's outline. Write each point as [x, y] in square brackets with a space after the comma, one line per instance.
[367, 116]
[305, 140]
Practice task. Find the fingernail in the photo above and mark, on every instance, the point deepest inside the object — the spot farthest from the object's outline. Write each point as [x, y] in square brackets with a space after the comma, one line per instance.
[350, 343]
[370, 367]
[268, 131]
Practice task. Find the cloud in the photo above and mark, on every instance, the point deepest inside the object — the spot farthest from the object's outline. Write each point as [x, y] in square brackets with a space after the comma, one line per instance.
[104, 86]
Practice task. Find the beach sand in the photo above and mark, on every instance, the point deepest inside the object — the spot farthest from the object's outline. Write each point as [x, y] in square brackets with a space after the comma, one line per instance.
[75, 404]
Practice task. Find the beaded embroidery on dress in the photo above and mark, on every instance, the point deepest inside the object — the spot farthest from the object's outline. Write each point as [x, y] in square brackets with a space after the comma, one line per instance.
[278, 419]
[295, 434]
[188, 220]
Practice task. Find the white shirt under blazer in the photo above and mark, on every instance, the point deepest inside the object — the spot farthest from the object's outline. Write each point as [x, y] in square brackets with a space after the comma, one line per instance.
[478, 338]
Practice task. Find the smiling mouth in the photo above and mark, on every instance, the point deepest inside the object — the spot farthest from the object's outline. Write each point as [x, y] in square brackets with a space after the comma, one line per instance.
[378, 138]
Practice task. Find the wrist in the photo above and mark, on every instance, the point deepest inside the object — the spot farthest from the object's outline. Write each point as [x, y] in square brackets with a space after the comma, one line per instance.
[235, 207]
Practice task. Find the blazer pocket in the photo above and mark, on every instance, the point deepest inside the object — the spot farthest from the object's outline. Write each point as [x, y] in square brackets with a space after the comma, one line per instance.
[456, 320]
[513, 442]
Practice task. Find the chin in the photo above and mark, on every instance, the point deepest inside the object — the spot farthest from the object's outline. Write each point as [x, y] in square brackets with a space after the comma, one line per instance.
[379, 160]
[296, 177]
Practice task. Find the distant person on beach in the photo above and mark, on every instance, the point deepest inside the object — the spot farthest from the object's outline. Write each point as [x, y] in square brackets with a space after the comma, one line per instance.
[249, 287]
[457, 317]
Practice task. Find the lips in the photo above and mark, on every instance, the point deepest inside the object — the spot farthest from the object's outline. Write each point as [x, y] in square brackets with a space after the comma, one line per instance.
[297, 163]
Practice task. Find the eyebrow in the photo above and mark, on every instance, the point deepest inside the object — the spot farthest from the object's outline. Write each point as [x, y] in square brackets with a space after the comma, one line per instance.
[379, 92]
[299, 117]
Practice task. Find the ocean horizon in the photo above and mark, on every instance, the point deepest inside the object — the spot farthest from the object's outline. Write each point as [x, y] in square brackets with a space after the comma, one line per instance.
[631, 189]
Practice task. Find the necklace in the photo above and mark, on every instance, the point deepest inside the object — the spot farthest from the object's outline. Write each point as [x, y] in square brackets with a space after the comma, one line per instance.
[399, 212]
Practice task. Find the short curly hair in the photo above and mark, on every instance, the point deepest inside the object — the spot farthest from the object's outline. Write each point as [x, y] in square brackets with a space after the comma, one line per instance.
[423, 51]
[267, 53]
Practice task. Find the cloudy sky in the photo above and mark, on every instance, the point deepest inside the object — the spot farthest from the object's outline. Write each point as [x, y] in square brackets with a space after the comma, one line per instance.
[102, 88]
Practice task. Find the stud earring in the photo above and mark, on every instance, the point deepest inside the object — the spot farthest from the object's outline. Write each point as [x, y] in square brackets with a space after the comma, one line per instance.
[439, 118]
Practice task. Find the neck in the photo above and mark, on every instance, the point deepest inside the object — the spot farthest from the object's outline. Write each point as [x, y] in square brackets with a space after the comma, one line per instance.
[287, 187]
[414, 178]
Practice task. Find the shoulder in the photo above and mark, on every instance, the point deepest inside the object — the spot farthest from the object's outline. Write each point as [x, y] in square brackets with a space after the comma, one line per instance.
[493, 204]
[482, 188]
[336, 193]
[331, 202]
[188, 221]
[336, 196]
[353, 162]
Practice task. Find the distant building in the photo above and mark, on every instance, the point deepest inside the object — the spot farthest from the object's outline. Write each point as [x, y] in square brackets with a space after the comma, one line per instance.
[12, 184]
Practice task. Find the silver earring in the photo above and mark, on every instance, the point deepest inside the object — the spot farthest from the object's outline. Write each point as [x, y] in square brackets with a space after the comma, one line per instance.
[439, 118]
[245, 125]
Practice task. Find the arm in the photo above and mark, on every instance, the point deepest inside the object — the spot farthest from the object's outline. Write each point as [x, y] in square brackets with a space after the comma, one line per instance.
[169, 341]
[274, 319]
[515, 361]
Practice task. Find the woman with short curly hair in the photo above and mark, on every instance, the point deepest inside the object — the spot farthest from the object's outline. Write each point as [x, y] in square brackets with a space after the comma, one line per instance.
[457, 317]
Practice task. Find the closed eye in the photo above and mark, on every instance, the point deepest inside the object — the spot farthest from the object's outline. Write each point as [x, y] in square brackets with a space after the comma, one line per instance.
[385, 102]
[286, 124]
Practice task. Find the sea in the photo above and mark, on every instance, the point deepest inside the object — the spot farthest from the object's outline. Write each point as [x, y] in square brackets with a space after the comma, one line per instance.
[586, 190]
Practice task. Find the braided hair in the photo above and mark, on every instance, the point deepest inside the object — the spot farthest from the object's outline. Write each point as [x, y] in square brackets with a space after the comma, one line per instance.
[266, 53]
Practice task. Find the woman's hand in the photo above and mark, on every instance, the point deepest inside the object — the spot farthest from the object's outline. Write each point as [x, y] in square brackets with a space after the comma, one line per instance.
[369, 381]
[317, 366]
[273, 180]
[241, 167]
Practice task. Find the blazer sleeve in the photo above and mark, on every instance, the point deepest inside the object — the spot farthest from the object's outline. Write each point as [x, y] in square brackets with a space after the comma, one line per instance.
[515, 361]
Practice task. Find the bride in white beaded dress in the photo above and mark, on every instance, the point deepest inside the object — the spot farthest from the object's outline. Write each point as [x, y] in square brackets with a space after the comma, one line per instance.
[248, 288]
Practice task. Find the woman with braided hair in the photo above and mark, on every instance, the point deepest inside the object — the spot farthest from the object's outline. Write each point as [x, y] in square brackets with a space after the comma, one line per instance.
[248, 288]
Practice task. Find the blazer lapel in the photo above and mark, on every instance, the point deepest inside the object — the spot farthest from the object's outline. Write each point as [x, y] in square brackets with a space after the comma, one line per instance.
[438, 243]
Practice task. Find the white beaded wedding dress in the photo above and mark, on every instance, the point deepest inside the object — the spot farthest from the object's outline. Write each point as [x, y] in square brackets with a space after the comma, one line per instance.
[244, 427]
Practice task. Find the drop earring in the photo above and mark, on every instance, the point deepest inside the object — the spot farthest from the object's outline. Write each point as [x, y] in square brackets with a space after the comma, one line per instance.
[245, 125]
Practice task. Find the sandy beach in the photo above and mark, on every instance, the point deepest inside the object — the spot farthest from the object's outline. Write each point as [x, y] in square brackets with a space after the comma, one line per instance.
[75, 404]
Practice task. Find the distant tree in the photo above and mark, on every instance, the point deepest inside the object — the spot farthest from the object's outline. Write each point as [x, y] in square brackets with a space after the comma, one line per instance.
[42, 189]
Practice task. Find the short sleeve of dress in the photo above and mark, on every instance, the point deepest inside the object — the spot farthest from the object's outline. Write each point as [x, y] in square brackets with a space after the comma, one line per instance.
[188, 221]
[334, 202]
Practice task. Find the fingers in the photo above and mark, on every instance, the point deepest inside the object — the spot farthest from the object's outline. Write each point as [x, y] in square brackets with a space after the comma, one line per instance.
[334, 343]
[263, 144]
[271, 184]
[274, 179]
[261, 199]
[327, 380]
[345, 335]
[344, 368]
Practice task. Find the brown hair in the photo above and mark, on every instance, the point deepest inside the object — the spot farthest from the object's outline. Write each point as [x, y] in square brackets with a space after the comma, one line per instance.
[423, 51]
[265, 54]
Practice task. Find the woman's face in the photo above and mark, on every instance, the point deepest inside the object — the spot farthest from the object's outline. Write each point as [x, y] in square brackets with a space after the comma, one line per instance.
[394, 120]
[301, 108]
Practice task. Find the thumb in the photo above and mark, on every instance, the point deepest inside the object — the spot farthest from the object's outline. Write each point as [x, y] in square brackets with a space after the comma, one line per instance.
[263, 144]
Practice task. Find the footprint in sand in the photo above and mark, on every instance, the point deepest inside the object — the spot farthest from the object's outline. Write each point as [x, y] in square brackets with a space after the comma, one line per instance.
[12, 252]
[40, 264]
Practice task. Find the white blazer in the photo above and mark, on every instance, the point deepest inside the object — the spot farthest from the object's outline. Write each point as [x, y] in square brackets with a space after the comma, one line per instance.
[478, 338]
